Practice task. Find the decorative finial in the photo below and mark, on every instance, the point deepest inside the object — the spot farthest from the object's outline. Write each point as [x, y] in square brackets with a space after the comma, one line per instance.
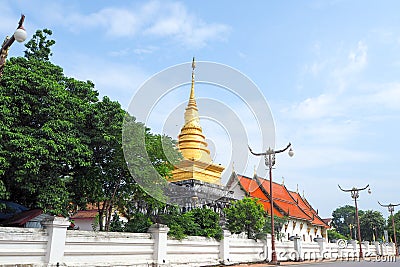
[192, 101]
[255, 171]
[193, 67]
[303, 194]
[233, 166]
[283, 180]
[297, 188]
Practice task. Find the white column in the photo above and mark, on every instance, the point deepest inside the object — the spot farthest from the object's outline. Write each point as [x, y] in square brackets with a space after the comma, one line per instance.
[365, 248]
[376, 244]
[56, 228]
[393, 248]
[297, 247]
[321, 244]
[224, 247]
[268, 249]
[353, 242]
[159, 232]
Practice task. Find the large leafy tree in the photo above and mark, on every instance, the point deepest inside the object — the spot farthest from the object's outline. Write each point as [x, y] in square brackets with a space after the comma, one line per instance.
[41, 139]
[342, 218]
[61, 146]
[245, 216]
[372, 223]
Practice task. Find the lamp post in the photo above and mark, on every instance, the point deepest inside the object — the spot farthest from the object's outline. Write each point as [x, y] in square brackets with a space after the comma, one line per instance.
[19, 35]
[391, 209]
[355, 194]
[269, 159]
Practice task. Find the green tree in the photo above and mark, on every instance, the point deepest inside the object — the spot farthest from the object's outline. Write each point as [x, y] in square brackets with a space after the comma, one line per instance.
[246, 216]
[278, 223]
[39, 47]
[196, 222]
[61, 146]
[371, 222]
[342, 217]
[206, 223]
[334, 235]
[138, 223]
[41, 142]
[179, 223]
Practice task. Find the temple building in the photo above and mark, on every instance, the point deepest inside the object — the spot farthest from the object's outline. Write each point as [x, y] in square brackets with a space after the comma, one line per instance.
[302, 220]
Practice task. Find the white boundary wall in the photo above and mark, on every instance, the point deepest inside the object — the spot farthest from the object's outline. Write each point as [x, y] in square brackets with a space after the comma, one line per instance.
[54, 246]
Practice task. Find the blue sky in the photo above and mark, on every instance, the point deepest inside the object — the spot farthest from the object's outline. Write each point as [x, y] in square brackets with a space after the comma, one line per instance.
[329, 71]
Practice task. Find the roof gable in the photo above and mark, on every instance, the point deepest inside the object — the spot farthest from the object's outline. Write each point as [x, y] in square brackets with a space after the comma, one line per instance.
[286, 203]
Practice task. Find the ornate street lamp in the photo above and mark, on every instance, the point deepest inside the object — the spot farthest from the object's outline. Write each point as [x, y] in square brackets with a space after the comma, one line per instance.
[269, 159]
[391, 209]
[355, 194]
[19, 35]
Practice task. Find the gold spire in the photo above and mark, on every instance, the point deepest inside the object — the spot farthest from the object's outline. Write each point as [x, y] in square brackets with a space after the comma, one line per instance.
[197, 162]
[191, 140]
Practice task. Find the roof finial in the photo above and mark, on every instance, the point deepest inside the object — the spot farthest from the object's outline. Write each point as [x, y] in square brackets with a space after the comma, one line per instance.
[233, 166]
[297, 188]
[192, 101]
[283, 180]
[255, 171]
[303, 194]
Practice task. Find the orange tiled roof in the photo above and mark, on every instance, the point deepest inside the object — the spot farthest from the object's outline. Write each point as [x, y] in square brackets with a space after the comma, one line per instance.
[304, 205]
[286, 203]
[252, 188]
[283, 199]
[85, 214]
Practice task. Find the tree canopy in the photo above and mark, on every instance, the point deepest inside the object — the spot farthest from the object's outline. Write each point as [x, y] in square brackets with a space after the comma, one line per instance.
[61, 146]
[372, 223]
[342, 218]
[245, 216]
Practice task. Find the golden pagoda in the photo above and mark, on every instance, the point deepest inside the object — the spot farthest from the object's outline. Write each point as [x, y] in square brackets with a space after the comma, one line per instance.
[196, 163]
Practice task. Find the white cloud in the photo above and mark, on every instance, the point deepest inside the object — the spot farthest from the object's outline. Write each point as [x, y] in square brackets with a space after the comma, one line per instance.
[117, 22]
[154, 19]
[315, 68]
[318, 107]
[145, 50]
[356, 62]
